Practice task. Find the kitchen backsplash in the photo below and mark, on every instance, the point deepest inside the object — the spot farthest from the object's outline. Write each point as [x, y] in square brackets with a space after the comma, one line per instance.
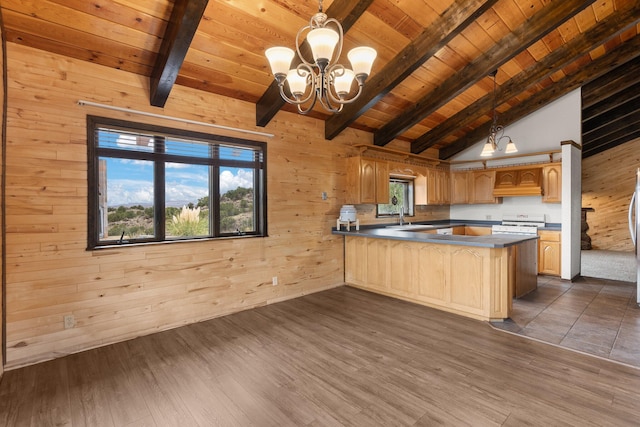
[510, 205]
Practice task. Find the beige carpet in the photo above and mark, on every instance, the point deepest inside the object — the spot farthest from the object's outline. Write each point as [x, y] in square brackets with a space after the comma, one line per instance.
[612, 265]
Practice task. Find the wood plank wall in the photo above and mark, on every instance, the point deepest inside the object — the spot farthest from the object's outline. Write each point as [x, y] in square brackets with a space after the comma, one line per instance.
[118, 294]
[2, 145]
[608, 181]
[121, 293]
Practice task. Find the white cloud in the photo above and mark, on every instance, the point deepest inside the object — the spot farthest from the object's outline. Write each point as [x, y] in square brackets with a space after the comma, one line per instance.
[181, 188]
[177, 166]
[229, 181]
[180, 194]
[128, 192]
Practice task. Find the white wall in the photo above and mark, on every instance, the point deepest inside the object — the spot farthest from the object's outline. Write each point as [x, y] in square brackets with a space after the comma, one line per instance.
[539, 131]
[543, 130]
[571, 210]
[510, 205]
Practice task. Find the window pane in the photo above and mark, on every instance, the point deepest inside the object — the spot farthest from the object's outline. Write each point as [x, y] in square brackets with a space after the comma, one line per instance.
[237, 200]
[152, 184]
[403, 192]
[125, 199]
[118, 139]
[187, 148]
[187, 200]
[237, 153]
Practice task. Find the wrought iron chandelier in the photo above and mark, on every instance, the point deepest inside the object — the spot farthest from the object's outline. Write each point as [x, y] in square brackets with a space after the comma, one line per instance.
[321, 79]
[496, 132]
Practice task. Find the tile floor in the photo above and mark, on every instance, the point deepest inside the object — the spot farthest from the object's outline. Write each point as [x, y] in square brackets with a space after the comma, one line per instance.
[595, 316]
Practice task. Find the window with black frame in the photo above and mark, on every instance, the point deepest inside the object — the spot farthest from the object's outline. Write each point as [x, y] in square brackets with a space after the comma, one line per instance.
[156, 184]
[400, 192]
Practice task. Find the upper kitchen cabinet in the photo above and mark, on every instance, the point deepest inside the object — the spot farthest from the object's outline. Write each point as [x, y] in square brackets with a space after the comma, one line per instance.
[552, 183]
[432, 187]
[473, 187]
[459, 187]
[481, 187]
[518, 182]
[367, 181]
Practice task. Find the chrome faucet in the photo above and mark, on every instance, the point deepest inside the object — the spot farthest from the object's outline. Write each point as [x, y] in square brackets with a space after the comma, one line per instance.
[401, 215]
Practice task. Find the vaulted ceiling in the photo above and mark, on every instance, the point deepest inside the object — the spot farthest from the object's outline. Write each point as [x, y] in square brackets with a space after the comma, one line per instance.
[430, 84]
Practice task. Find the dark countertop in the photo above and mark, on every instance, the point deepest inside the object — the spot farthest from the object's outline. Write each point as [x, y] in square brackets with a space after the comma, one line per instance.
[490, 241]
[446, 223]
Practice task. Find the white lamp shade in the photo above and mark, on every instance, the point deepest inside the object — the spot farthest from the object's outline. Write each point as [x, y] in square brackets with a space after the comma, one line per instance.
[342, 83]
[297, 82]
[279, 58]
[487, 150]
[511, 147]
[361, 59]
[322, 41]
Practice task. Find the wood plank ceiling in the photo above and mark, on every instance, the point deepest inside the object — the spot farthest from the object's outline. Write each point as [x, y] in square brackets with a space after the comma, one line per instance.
[430, 84]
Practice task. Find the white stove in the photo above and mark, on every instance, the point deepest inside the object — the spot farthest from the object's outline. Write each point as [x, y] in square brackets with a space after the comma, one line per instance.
[521, 224]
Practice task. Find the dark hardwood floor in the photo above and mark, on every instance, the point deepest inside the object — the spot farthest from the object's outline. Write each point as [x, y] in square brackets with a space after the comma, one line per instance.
[339, 357]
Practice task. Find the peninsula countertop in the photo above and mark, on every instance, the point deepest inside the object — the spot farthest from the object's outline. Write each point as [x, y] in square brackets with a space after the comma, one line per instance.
[416, 233]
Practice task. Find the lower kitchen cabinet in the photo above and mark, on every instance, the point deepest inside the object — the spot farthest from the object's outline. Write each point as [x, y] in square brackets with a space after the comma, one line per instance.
[472, 281]
[549, 252]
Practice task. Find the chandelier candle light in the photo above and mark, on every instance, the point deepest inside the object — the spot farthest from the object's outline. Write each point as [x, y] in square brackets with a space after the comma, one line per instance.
[493, 140]
[321, 79]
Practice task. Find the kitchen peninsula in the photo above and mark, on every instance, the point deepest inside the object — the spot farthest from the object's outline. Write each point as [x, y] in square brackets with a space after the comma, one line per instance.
[474, 276]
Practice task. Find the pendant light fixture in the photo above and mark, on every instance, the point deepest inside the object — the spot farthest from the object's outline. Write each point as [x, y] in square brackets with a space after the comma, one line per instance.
[496, 132]
[320, 78]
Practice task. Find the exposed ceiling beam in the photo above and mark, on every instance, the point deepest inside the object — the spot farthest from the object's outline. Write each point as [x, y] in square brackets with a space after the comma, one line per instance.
[181, 28]
[621, 123]
[347, 13]
[627, 94]
[609, 121]
[452, 22]
[630, 49]
[544, 21]
[615, 81]
[621, 136]
[617, 22]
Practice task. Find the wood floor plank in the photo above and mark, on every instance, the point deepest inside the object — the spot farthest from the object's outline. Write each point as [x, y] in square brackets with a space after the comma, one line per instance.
[342, 357]
[51, 406]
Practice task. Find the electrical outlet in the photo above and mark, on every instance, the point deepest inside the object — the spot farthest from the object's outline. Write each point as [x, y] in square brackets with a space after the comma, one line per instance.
[69, 321]
[274, 280]
[488, 216]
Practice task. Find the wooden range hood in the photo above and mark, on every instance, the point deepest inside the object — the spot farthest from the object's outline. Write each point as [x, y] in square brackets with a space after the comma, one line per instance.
[518, 182]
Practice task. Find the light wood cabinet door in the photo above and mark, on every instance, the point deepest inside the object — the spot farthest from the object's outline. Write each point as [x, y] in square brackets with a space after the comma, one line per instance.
[382, 182]
[445, 187]
[506, 179]
[459, 187]
[471, 230]
[434, 191]
[367, 180]
[420, 187]
[549, 255]
[482, 183]
[529, 177]
[438, 183]
[552, 183]
[432, 187]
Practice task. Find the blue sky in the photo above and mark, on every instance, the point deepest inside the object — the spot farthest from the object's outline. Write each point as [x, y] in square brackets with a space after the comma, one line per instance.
[131, 182]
